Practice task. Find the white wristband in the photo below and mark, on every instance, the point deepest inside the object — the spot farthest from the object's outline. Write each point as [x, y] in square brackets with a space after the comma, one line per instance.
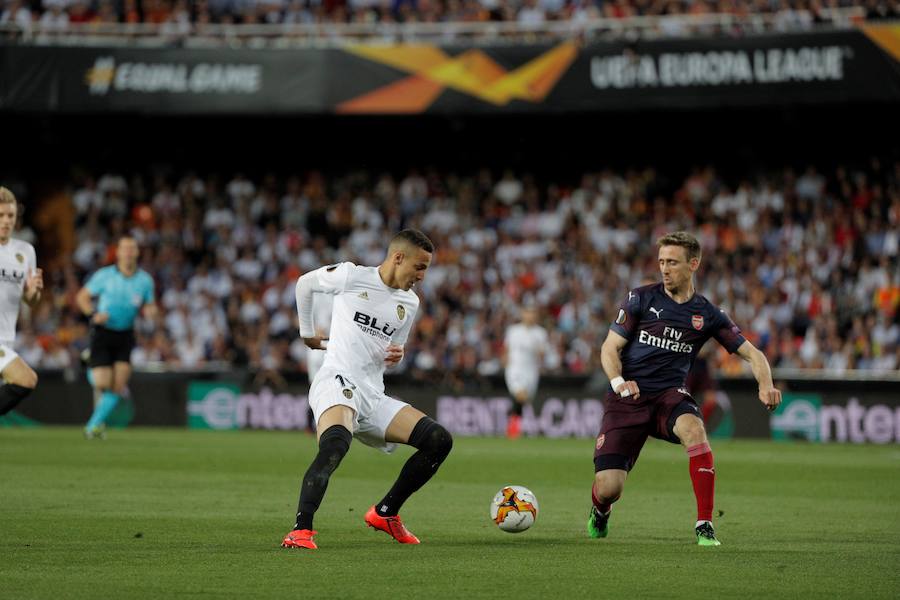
[323, 344]
[615, 383]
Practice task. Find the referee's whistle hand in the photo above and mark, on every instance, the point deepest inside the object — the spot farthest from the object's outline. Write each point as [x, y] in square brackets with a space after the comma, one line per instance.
[100, 318]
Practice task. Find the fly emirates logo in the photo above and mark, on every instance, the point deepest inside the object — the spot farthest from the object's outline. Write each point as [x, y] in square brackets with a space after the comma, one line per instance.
[670, 340]
[372, 326]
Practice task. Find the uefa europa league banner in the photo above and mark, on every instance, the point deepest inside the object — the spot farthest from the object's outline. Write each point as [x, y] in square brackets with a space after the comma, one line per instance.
[767, 70]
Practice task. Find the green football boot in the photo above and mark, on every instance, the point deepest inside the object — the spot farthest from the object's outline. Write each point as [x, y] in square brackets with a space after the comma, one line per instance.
[597, 524]
[706, 535]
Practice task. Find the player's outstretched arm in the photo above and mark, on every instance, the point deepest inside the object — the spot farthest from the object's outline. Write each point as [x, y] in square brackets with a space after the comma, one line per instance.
[610, 358]
[768, 394]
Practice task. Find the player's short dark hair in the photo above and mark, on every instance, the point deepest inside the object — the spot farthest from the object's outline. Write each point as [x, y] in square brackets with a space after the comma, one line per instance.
[683, 239]
[414, 237]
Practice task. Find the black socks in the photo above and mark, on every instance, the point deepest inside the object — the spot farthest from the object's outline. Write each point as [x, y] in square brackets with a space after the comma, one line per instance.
[434, 444]
[10, 396]
[333, 446]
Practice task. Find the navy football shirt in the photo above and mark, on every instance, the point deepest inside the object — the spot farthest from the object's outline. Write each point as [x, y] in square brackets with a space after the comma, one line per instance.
[664, 337]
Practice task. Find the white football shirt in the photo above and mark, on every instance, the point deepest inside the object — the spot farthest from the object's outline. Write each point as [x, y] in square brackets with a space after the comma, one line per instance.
[16, 259]
[366, 317]
[323, 304]
[524, 345]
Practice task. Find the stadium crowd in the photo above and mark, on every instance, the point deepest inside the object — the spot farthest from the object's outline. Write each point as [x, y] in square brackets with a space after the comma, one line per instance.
[184, 16]
[806, 262]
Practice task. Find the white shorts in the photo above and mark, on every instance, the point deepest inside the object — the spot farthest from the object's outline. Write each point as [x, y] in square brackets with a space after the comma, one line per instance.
[7, 355]
[522, 380]
[373, 410]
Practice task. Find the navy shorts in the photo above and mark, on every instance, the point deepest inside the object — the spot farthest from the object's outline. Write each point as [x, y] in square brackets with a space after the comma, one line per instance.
[109, 346]
[628, 422]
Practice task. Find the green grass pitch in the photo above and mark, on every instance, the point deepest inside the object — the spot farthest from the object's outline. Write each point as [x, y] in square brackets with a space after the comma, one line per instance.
[166, 513]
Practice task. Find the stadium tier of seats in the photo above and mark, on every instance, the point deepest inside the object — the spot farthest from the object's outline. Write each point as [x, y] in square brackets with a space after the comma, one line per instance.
[807, 262]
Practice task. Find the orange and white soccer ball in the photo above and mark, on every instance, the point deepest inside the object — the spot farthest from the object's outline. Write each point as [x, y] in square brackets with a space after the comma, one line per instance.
[514, 509]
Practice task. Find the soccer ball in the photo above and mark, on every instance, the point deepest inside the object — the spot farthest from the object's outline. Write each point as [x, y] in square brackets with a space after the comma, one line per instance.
[514, 509]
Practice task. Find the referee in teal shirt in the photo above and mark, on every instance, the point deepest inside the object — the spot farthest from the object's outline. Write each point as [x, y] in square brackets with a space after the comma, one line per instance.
[121, 291]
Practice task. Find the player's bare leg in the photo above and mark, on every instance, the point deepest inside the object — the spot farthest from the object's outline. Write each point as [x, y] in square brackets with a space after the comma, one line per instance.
[433, 442]
[121, 375]
[19, 381]
[692, 434]
[334, 435]
[102, 377]
[607, 488]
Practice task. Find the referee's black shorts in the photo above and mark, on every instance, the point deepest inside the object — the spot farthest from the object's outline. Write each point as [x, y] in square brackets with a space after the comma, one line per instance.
[109, 346]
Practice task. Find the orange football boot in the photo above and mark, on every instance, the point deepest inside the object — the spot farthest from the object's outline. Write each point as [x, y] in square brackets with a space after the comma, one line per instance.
[300, 538]
[514, 427]
[392, 526]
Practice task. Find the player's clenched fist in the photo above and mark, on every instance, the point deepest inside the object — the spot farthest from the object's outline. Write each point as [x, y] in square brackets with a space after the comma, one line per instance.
[628, 389]
[393, 355]
[771, 398]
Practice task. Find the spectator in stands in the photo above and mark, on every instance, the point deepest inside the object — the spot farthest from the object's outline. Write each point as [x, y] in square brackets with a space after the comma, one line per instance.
[55, 18]
[179, 17]
[17, 13]
[811, 262]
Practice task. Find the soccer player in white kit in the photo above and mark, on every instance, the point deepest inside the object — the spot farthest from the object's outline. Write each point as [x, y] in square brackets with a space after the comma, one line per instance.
[523, 351]
[20, 279]
[373, 313]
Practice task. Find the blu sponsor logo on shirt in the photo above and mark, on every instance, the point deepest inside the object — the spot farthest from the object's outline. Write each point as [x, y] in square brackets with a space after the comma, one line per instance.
[371, 323]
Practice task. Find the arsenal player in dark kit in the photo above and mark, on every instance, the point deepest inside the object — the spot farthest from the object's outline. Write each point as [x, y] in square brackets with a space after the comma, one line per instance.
[658, 332]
